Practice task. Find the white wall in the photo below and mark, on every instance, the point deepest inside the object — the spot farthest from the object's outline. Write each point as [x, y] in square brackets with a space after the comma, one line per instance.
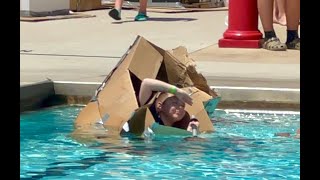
[44, 5]
[25, 5]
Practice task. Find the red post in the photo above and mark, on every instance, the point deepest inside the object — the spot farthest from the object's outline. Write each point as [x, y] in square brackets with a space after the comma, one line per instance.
[242, 30]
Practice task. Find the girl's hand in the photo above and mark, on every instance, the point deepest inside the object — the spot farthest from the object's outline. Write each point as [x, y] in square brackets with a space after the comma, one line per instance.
[184, 96]
[193, 123]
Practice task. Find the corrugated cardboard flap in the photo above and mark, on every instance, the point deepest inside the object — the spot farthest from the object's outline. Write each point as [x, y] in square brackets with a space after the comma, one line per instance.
[116, 99]
[141, 120]
[199, 98]
[146, 61]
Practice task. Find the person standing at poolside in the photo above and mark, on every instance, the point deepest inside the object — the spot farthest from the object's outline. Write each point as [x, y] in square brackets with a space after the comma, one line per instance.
[115, 12]
[279, 12]
[271, 41]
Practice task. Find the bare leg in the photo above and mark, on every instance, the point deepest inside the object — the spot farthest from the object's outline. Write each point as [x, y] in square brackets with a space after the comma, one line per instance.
[270, 41]
[293, 17]
[265, 8]
[118, 4]
[293, 14]
[143, 6]
[142, 15]
[275, 12]
[280, 15]
[282, 12]
[115, 13]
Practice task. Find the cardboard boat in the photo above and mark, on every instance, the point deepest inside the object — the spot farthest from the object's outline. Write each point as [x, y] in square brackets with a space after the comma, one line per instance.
[115, 102]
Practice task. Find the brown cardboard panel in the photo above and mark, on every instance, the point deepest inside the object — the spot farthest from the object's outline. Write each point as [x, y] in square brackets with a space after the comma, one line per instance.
[160, 50]
[149, 120]
[200, 81]
[197, 109]
[197, 79]
[181, 53]
[118, 100]
[108, 95]
[127, 58]
[137, 121]
[138, 53]
[162, 74]
[147, 61]
[117, 97]
[88, 116]
[141, 120]
[124, 62]
[115, 123]
[176, 71]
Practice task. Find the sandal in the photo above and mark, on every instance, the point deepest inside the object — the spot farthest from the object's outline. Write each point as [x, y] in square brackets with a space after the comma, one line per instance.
[273, 44]
[295, 44]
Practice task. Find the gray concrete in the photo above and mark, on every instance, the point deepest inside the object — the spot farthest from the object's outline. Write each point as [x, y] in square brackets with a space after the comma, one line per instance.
[75, 89]
[227, 94]
[99, 36]
[33, 96]
[46, 13]
[86, 50]
[36, 95]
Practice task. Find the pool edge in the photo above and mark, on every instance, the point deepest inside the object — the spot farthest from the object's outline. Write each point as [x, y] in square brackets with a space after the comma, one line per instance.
[49, 93]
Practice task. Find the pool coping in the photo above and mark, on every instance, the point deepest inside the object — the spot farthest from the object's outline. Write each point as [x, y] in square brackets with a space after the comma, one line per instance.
[48, 93]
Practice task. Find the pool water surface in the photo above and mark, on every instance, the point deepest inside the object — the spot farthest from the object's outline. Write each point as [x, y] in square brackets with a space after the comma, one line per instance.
[243, 146]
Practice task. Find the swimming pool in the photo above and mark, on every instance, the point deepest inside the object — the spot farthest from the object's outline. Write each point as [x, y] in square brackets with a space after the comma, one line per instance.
[243, 147]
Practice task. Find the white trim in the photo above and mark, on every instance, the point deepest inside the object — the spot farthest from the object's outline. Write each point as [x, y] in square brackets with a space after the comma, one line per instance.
[259, 111]
[218, 87]
[76, 82]
[256, 88]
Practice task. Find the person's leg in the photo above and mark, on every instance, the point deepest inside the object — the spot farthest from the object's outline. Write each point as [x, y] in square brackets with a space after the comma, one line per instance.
[282, 12]
[118, 4]
[142, 15]
[115, 13]
[143, 6]
[270, 42]
[275, 11]
[265, 8]
[293, 14]
[293, 17]
[279, 15]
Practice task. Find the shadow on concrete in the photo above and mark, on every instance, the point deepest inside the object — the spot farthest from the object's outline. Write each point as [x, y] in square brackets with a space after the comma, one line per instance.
[172, 19]
[158, 19]
[70, 55]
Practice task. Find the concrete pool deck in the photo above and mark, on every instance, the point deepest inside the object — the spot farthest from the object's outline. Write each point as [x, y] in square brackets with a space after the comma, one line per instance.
[77, 54]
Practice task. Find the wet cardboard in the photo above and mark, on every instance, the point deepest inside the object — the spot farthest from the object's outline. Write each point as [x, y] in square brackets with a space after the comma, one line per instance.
[115, 101]
[142, 119]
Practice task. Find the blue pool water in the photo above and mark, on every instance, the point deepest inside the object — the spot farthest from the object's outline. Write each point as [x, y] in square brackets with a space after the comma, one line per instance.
[243, 147]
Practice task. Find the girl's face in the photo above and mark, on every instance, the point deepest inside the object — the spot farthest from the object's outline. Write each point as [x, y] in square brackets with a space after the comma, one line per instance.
[173, 108]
